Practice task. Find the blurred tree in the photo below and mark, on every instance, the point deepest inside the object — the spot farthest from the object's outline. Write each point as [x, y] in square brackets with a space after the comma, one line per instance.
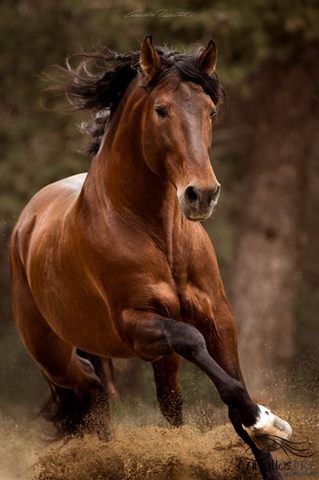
[268, 267]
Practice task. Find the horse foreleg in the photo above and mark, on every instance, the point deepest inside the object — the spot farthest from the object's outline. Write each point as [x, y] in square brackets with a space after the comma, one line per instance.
[264, 459]
[167, 388]
[153, 336]
[224, 350]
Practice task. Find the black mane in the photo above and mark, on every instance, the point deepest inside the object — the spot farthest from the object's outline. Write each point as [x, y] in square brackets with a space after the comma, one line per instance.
[99, 81]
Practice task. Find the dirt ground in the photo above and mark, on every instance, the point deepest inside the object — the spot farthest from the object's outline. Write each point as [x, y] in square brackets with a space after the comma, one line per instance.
[152, 451]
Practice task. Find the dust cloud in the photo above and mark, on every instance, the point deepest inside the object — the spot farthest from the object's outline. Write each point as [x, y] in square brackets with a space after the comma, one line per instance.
[152, 451]
[144, 447]
[20, 443]
[146, 452]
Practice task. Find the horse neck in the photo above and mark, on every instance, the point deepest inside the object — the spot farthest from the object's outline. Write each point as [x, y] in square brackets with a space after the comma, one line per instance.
[120, 180]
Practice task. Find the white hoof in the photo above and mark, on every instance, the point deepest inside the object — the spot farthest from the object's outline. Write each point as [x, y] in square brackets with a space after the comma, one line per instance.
[269, 425]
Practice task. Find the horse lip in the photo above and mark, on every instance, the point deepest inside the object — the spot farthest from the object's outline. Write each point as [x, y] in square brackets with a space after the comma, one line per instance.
[198, 218]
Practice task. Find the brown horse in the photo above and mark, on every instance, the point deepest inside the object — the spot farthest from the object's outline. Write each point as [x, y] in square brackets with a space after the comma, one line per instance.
[116, 263]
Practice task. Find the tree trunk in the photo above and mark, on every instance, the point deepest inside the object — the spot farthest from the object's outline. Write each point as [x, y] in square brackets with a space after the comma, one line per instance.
[267, 266]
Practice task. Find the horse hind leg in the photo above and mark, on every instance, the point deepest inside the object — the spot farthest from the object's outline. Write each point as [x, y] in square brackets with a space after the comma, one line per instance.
[78, 404]
[75, 387]
[105, 370]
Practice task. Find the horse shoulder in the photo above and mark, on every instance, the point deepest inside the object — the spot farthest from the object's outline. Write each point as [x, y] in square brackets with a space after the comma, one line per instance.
[38, 230]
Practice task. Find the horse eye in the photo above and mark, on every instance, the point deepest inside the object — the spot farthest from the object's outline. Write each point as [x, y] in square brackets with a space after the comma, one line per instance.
[161, 111]
[213, 113]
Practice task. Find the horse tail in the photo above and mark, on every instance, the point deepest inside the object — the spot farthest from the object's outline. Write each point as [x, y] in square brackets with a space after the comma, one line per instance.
[64, 408]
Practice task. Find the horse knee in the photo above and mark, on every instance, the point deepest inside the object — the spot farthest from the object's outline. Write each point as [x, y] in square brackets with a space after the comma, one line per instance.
[153, 336]
[185, 339]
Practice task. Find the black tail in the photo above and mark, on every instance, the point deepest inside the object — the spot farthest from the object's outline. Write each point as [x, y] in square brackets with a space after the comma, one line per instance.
[65, 409]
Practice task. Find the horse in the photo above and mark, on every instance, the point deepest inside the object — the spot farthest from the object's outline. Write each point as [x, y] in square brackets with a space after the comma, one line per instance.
[116, 262]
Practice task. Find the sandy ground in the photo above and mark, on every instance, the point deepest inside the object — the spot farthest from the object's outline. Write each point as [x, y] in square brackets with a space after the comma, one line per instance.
[20, 445]
[152, 451]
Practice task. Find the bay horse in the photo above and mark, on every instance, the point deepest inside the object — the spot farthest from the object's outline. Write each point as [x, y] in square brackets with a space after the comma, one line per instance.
[116, 263]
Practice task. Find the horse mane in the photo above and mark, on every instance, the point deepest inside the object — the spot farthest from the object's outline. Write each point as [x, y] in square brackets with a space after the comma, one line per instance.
[100, 79]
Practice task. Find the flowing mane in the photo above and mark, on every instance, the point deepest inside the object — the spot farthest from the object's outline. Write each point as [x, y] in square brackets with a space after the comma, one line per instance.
[100, 79]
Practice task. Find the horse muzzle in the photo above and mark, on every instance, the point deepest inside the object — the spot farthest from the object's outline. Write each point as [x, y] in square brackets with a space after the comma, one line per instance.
[198, 204]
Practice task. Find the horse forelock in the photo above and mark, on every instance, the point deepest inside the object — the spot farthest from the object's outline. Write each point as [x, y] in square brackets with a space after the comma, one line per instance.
[99, 81]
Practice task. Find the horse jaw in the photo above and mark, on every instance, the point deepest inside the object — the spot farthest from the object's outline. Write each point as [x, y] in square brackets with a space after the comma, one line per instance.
[267, 425]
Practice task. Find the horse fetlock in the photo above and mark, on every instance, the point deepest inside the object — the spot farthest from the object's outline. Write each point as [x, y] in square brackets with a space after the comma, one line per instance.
[171, 404]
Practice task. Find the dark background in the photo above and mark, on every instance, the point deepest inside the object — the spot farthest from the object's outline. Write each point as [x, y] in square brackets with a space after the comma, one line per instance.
[266, 150]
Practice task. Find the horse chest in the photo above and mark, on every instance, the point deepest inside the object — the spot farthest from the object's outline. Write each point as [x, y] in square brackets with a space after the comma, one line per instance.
[187, 303]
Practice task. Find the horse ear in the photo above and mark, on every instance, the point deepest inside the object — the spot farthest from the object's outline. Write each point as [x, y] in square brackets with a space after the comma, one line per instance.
[207, 59]
[150, 61]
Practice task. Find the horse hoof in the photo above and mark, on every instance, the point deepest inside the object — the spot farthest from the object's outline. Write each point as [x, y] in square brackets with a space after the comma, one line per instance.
[269, 431]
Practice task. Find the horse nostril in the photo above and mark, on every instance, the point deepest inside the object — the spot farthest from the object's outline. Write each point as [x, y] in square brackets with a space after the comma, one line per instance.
[191, 194]
[217, 189]
[214, 193]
